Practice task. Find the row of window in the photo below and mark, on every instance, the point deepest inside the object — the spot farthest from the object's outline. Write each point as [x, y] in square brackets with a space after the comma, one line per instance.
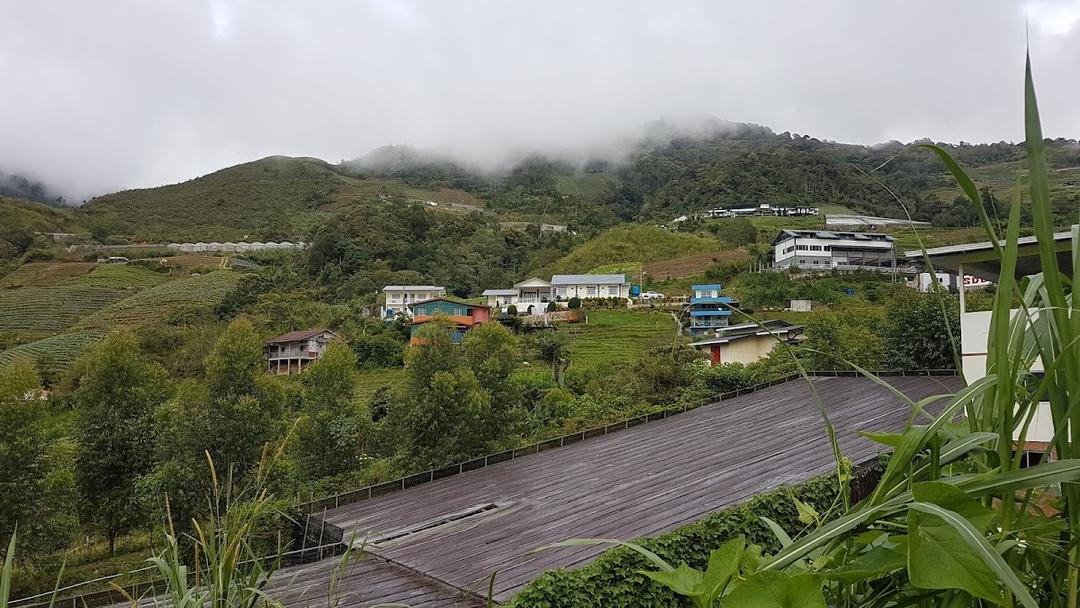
[590, 291]
[812, 248]
[408, 297]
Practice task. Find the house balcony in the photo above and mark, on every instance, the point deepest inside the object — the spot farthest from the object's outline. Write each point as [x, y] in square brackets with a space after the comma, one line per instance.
[709, 313]
[458, 320]
[707, 322]
[718, 300]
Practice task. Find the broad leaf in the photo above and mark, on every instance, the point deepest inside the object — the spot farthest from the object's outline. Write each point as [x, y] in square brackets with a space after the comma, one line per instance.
[772, 589]
[939, 559]
[955, 500]
[962, 560]
[683, 580]
[807, 514]
[723, 565]
[870, 565]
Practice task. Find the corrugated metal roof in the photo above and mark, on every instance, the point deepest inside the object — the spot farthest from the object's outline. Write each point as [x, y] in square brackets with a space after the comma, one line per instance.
[499, 292]
[296, 336]
[413, 288]
[981, 246]
[587, 279]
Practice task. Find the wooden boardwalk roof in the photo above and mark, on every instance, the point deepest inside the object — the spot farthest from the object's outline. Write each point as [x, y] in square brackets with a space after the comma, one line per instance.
[642, 481]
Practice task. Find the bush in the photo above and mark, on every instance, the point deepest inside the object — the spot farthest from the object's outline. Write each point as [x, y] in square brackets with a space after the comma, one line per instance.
[552, 306]
[379, 350]
[614, 579]
[574, 303]
[603, 303]
[512, 310]
[726, 378]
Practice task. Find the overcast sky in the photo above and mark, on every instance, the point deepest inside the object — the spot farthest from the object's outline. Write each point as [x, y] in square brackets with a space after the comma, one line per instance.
[99, 96]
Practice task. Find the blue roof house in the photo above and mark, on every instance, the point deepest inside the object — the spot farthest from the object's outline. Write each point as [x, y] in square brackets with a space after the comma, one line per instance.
[707, 310]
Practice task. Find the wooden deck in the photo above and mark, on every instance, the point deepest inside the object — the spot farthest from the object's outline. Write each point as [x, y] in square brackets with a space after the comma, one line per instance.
[638, 482]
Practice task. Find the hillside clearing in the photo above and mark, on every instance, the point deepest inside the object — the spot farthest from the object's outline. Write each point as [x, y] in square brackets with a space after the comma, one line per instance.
[45, 274]
[691, 265]
[617, 335]
[634, 243]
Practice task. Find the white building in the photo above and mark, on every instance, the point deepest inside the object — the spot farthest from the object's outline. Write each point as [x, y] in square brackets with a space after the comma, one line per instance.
[397, 298]
[590, 286]
[528, 297]
[949, 281]
[980, 260]
[825, 250]
[532, 295]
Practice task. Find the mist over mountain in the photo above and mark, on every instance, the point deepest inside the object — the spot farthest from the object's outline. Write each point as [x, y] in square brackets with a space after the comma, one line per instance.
[19, 186]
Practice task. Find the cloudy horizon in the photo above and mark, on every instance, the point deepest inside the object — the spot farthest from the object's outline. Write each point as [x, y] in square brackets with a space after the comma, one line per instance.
[124, 94]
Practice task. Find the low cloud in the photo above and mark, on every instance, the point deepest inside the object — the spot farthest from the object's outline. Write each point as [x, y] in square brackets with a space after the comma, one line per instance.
[130, 94]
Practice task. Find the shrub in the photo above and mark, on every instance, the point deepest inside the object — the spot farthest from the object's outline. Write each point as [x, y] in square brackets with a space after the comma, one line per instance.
[574, 303]
[379, 350]
[614, 578]
[512, 310]
[551, 306]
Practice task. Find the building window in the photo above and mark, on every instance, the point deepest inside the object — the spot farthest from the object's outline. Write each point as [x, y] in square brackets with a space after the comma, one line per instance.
[561, 291]
[590, 291]
[613, 291]
[801, 247]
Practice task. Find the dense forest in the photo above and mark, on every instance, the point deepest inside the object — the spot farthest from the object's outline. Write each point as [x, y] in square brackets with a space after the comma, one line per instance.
[669, 174]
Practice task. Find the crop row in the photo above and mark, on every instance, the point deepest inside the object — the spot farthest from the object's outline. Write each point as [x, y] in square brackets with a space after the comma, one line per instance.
[120, 276]
[59, 351]
[45, 274]
[156, 304]
[50, 309]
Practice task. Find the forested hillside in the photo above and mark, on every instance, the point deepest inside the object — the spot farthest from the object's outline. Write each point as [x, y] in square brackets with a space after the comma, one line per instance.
[268, 199]
[668, 174]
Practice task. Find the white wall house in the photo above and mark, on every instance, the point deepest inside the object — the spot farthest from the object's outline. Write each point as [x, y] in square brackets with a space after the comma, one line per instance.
[397, 298]
[980, 261]
[532, 295]
[825, 250]
[924, 282]
[590, 286]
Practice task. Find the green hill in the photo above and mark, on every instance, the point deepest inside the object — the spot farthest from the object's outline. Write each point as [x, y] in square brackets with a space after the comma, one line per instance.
[267, 199]
[20, 214]
[630, 243]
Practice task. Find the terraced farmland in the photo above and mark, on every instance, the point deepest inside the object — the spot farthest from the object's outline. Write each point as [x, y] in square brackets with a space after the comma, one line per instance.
[51, 309]
[158, 303]
[120, 276]
[61, 349]
[45, 274]
[618, 335]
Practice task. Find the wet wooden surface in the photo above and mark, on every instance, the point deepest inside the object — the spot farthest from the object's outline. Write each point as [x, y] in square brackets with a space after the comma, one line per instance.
[638, 482]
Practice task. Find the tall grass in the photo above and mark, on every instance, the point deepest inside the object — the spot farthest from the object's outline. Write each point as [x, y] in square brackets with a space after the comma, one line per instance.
[955, 520]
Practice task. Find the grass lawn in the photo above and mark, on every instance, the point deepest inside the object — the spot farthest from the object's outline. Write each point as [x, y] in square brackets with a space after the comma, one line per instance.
[370, 380]
[618, 335]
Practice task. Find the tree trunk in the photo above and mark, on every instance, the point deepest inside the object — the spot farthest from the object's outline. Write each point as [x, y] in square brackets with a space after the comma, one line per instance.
[112, 542]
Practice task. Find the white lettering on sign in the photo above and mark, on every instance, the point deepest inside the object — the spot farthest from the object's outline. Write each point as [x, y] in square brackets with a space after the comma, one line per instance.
[970, 281]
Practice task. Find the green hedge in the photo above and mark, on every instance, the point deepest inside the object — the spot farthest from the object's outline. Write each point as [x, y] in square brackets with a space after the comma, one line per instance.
[612, 580]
